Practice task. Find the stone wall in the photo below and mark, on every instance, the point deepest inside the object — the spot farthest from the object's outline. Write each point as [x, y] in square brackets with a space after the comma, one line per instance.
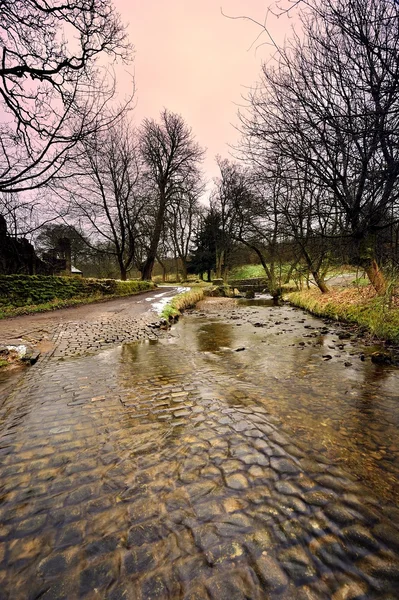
[23, 290]
[255, 284]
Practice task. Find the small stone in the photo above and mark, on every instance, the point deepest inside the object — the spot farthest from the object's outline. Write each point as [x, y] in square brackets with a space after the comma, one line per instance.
[199, 489]
[31, 525]
[139, 560]
[97, 576]
[261, 539]
[381, 358]
[384, 568]
[207, 510]
[69, 536]
[154, 587]
[298, 564]
[82, 494]
[237, 482]
[256, 471]
[282, 465]
[271, 575]
[287, 488]
[144, 533]
[190, 568]
[353, 590]
[53, 565]
[389, 535]
[329, 550]
[339, 514]
[227, 587]
[360, 536]
[232, 504]
[103, 546]
[240, 426]
[224, 552]
[319, 498]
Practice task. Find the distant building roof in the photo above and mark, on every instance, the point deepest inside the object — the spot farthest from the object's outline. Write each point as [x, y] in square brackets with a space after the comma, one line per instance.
[75, 270]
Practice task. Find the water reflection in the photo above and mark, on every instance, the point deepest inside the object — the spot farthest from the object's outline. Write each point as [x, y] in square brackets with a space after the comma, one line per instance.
[212, 337]
[263, 300]
[349, 413]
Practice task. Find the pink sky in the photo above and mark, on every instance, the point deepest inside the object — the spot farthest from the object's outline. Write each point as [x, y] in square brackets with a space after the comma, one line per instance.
[194, 61]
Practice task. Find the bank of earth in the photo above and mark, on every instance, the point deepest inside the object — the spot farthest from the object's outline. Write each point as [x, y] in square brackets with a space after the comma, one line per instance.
[362, 307]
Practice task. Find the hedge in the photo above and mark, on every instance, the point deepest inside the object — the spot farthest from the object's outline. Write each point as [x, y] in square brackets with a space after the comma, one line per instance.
[23, 290]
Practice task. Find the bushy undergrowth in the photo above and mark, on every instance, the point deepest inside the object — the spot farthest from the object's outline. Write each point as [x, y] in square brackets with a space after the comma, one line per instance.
[181, 302]
[378, 314]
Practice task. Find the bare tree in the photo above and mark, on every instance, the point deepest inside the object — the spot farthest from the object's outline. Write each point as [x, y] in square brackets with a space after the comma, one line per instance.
[26, 214]
[182, 220]
[107, 195]
[229, 196]
[249, 207]
[308, 217]
[172, 159]
[331, 105]
[51, 92]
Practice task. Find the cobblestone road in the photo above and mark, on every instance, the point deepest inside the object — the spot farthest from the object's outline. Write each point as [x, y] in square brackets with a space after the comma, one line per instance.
[148, 471]
[88, 328]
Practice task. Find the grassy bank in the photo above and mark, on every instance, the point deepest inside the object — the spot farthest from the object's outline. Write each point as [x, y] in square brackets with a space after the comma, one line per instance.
[181, 302]
[359, 305]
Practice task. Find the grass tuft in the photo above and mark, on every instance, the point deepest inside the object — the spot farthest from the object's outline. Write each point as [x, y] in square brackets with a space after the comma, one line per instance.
[360, 305]
[182, 302]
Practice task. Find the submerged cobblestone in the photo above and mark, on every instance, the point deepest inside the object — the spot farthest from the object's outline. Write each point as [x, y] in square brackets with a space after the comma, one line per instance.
[152, 472]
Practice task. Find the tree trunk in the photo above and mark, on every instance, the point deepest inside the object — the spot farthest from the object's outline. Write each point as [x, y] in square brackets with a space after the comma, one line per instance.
[376, 277]
[319, 280]
[123, 272]
[183, 269]
[148, 267]
[209, 274]
[219, 264]
[163, 269]
[156, 236]
[366, 253]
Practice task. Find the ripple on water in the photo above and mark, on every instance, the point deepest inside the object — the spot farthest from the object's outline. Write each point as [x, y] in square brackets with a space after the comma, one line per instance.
[198, 472]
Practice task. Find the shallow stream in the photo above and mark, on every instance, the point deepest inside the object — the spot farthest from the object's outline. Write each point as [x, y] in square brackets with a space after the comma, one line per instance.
[252, 453]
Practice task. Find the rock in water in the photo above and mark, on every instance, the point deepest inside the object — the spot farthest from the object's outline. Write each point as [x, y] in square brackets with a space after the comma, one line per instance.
[381, 358]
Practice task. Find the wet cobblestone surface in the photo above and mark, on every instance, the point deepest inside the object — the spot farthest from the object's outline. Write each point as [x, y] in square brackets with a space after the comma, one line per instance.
[76, 339]
[162, 470]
